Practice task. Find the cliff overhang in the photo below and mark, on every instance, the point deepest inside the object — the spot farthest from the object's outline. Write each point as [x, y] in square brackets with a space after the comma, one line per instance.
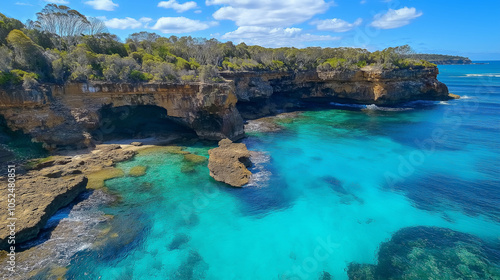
[67, 115]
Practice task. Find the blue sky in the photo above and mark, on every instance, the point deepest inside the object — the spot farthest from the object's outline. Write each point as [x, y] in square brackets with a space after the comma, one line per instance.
[449, 27]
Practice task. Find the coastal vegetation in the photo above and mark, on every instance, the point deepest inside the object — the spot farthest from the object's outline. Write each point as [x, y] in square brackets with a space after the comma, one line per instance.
[62, 45]
[440, 58]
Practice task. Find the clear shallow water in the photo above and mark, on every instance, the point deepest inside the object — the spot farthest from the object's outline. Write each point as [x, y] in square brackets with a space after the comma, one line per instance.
[343, 181]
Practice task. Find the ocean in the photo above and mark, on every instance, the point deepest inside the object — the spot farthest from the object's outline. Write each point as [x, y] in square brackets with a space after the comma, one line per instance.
[330, 187]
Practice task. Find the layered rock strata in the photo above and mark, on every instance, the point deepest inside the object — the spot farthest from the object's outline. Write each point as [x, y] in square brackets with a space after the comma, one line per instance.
[71, 115]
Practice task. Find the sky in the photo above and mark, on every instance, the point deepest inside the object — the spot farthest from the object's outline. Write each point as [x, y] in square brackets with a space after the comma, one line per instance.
[466, 28]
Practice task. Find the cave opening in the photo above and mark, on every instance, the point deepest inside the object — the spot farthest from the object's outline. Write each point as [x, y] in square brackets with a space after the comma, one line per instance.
[139, 122]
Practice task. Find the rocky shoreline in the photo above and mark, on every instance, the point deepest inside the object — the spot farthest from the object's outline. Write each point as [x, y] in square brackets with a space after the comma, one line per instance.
[68, 120]
[44, 186]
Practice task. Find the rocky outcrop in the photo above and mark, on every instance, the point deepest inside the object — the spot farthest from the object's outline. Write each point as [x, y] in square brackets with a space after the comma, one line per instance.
[262, 94]
[228, 163]
[52, 183]
[37, 199]
[72, 115]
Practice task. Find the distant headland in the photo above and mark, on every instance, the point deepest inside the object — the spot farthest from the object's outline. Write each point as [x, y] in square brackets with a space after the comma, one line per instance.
[441, 59]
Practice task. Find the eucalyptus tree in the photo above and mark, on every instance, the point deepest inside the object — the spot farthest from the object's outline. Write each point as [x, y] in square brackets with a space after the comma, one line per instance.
[62, 21]
[96, 26]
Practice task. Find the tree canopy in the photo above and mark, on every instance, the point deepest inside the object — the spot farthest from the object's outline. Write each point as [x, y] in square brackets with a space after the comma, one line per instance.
[63, 45]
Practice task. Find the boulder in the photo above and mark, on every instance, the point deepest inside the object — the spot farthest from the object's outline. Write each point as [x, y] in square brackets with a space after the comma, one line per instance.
[228, 163]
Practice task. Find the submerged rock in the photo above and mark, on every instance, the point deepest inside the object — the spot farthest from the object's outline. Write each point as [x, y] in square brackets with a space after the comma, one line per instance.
[228, 163]
[190, 161]
[96, 179]
[431, 253]
[179, 240]
[195, 159]
[325, 276]
[137, 171]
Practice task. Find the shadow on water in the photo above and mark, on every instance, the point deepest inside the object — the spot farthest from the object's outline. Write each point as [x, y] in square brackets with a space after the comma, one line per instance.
[192, 268]
[262, 198]
[130, 231]
[334, 184]
[440, 192]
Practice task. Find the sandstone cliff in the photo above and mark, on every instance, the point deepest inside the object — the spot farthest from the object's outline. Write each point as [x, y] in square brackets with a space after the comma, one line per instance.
[69, 115]
[265, 94]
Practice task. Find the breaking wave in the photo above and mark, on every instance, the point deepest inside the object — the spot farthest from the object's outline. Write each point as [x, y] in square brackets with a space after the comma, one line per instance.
[371, 107]
[497, 75]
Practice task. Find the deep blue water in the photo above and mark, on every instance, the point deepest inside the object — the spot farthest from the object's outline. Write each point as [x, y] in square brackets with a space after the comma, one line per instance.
[337, 181]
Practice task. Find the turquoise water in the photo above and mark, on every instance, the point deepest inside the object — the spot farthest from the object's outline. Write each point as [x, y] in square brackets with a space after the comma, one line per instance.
[332, 185]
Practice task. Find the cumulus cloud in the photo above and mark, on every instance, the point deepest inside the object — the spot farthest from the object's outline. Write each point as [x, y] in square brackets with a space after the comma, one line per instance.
[104, 5]
[126, 23]
[395, 18]
[268, 13]
[173, 4]
[336, 24]
[274, 37]
[180, 25]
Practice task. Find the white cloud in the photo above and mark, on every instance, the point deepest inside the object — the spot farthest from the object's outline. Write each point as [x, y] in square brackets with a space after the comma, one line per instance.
[173, 4]
[23, 4]
[145, 19]
[180, 25]
[57, 1]
[274, 37]
[104, 5]
[268, 13]
[336, 24]
[125, 23]
[395, 18]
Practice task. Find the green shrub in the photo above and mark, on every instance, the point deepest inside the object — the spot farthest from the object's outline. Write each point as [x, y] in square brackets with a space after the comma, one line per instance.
[182, 64]
[5, 78]
[361, 63]
[278, 65]
[139, 76]
[188, 78]
[193, 64]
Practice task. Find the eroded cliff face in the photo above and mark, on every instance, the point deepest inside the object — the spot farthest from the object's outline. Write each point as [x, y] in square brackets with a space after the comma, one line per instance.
[67, 116]
[264, 94]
